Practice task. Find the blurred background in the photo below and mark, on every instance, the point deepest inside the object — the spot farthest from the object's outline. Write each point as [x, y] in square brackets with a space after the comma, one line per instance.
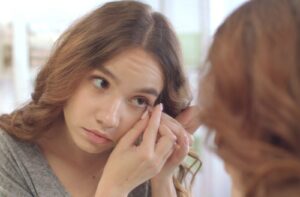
[29, 28]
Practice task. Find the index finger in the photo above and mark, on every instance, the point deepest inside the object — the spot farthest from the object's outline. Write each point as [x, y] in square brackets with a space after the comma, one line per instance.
[150, 134]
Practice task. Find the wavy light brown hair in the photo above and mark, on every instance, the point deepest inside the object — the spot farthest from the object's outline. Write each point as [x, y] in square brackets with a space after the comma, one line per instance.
[250, 96]
[90, 42]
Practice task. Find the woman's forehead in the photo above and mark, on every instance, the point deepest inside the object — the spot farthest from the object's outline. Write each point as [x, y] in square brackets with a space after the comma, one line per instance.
[135, 67]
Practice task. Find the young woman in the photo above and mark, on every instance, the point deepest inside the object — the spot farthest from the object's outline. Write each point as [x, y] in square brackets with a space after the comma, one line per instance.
[101, 121]
[250, 97]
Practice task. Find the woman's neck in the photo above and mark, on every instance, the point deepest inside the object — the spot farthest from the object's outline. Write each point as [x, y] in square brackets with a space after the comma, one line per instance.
[79, 172]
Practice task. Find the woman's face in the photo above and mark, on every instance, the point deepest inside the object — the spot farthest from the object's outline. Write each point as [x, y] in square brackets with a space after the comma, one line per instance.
[111, 98]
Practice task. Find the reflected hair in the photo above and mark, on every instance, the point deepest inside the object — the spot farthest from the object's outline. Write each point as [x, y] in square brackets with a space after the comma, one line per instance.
[250, 96]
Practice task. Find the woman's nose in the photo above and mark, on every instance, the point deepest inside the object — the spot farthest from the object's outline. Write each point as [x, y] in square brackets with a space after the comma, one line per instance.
[109, 113]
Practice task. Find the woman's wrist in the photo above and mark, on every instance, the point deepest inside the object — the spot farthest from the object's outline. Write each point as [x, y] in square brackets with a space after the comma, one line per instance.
[110, 190]
[163, 187]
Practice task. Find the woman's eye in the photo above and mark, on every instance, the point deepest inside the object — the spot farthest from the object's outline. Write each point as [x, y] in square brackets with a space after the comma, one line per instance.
[140, 102]
[100, 83]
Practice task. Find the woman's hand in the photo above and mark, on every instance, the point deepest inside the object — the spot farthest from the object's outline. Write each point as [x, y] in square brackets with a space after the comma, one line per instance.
[173, 127]
[189, 118]
[130, 165]
[183, 126]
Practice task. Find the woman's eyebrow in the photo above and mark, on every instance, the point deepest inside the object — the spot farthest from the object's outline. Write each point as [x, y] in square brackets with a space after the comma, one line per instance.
[151, 91]
[109, 73]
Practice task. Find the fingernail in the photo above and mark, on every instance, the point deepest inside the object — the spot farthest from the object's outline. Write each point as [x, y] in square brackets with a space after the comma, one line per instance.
[161, 107]
[174, 139]
[144, 114]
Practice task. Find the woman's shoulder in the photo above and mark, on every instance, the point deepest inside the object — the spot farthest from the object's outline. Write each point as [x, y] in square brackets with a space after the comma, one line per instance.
[13, 152]
[24, 170]
[11, 167]
[19, 153]
[10, 144]
[6, 141]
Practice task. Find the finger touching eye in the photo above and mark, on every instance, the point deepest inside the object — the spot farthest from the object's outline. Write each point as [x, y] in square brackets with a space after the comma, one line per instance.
[140, 102]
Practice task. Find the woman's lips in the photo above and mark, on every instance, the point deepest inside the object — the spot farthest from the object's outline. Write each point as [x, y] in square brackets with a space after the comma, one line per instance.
[96, 137]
